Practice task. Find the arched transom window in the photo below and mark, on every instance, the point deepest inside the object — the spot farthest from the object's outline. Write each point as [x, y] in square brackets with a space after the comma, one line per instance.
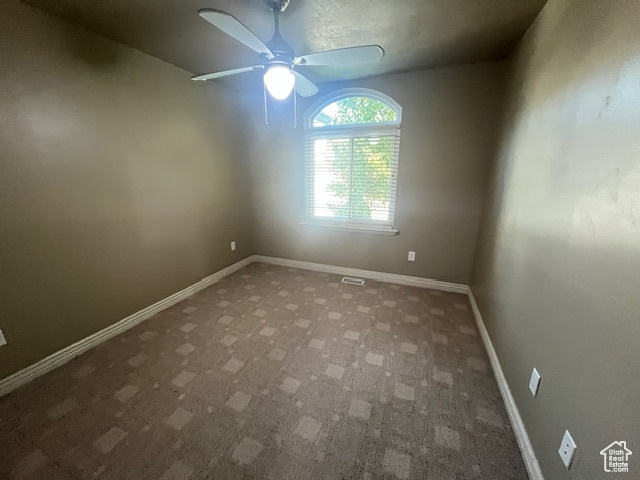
[351, 160]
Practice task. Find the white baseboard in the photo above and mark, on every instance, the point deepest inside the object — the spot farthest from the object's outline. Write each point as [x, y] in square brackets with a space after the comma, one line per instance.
[371, 275]
[53, 361]
[59, 358]
[528, 454]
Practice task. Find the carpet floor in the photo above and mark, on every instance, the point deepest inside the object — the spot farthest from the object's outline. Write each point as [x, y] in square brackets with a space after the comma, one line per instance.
[273, 373]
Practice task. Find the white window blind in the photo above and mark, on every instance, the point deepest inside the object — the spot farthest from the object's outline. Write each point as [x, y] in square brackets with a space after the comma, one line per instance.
[351, 176]
[352, 141]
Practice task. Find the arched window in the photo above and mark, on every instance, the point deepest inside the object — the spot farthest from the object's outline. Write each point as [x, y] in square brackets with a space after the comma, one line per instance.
[351, 160]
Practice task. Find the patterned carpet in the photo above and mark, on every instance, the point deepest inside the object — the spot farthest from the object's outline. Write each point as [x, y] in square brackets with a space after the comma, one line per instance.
[273, 373]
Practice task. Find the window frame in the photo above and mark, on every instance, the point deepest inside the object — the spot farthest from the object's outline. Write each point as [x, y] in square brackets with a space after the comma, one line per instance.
[312, 132]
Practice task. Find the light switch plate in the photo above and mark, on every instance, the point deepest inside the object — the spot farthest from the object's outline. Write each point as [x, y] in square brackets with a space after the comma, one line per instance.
[3, 341]
[412, 256]
[534, 382]
[233, 246]
[567, 449]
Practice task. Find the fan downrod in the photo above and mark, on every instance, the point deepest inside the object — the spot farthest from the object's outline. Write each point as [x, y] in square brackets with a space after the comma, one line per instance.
[282, 51]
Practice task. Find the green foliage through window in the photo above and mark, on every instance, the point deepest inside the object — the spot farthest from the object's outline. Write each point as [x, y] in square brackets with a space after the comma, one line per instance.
[354, 110]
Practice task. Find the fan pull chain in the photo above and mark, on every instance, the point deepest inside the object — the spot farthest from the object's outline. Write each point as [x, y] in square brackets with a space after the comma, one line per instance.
[295, 106]
[266, 115]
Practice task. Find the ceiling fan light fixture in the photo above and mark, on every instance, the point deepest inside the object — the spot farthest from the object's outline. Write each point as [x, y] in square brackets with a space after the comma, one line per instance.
[279, 81]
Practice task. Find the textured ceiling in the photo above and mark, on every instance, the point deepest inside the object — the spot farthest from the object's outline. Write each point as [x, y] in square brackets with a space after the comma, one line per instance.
[415, 34]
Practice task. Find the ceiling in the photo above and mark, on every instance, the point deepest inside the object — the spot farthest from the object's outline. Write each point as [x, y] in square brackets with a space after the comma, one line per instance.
[416, 34]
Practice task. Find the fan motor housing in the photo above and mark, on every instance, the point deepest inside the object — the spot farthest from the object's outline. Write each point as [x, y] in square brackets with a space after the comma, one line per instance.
[281, 50]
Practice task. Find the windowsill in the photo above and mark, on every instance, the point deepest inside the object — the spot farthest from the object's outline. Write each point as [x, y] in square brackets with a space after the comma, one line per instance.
[353, 228]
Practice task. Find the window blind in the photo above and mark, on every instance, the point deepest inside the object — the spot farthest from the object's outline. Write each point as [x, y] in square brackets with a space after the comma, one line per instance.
[351, 178]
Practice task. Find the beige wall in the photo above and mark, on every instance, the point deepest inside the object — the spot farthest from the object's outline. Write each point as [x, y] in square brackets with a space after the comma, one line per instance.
[120, 183]
[557, 275]
[448, 138]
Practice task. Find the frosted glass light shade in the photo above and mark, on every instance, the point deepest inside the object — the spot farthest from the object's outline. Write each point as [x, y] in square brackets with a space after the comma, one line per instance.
[279, 81]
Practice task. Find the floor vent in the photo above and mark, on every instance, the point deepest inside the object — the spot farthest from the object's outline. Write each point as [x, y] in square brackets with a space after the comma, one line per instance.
[353, 281]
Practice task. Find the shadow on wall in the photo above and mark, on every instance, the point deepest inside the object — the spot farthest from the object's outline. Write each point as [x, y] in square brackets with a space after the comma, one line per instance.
[558, 262]
[548, 76]
[105, 56]
[569, 313]
[120, 183]
[575, 123]
[100, 55]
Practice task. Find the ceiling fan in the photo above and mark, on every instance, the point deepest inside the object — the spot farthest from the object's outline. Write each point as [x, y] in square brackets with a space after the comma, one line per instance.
[278, 60]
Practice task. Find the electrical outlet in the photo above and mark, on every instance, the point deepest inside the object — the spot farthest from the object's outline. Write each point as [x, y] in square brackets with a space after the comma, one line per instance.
[233, 246]
[534, 382]
[567, 449]
[3, 341]
[412, 256]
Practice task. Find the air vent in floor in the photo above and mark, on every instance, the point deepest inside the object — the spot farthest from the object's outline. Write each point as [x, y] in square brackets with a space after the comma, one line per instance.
[353, 281]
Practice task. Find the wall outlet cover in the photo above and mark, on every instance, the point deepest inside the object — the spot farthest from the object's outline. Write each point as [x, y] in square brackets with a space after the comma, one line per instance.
[567, 449]
[534, 382]
[412, 256]
[3, 341]
[233, 246]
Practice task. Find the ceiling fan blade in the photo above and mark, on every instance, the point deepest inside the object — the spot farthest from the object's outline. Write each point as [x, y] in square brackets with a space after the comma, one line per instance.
[224, 73]
[232, 27]
[304, 86]
[343, 56]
